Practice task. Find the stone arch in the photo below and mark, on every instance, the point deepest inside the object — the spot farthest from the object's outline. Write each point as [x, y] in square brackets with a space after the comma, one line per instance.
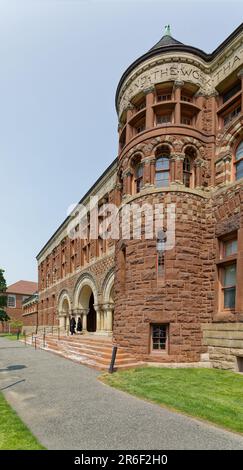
[84, 287]
[63, 298]
[108, 286]
[108, 300]
[64, 309]
[190, 146]
[229, 138]
[136, 154]
[164, 144]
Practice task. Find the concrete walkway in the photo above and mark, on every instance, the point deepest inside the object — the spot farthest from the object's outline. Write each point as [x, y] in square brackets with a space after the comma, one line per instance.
[66, 407]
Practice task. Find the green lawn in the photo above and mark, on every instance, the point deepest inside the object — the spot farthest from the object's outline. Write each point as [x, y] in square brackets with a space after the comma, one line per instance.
[10, 336]
[14, 435]
[210, 394]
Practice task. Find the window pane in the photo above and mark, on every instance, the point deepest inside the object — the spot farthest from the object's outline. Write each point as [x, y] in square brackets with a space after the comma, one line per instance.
[159, 337]
[230, 247]
[162, 183]
[139, 171]
[162, 163]
[239, 170]
[239, 151]
[230, 275]
[229, 297]
[11, 301]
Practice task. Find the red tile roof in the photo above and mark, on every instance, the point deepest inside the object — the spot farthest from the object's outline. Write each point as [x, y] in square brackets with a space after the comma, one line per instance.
[23, 287]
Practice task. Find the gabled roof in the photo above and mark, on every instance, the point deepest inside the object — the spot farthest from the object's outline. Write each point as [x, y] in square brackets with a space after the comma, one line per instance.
[23, 287]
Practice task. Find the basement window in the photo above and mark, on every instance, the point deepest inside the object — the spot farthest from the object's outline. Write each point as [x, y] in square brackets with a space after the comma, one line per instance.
[159, 338]
[239, 364]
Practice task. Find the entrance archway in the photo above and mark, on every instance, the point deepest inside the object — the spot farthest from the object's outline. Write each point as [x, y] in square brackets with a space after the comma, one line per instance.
[91, 318]
[64, 311]
[85, 297]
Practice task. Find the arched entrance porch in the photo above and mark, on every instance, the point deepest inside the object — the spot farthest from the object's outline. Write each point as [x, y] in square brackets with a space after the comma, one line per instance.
[108, 305]
[64, 311]
[85, 300]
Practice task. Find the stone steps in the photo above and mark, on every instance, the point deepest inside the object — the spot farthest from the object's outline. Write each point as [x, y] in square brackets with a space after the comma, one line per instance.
[93, 352]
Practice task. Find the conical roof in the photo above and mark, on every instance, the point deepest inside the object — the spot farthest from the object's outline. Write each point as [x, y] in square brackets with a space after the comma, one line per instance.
[166, 40]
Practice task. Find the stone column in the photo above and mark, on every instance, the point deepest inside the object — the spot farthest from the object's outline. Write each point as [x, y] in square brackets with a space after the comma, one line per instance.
[240, 75]
[109, 315]
[152, 170]
[84, 312]
[228, 170]
[129, 129]
[127, 182]
[177, 96]
[215, 119]
[198, 173]
[172, 169]
[149, 122]
[199, 102]
[178, 159]
[146, 171]
[98, 310]
[67, 323]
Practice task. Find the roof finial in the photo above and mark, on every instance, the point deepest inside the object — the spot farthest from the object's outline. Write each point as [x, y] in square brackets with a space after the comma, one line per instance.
[167, 30]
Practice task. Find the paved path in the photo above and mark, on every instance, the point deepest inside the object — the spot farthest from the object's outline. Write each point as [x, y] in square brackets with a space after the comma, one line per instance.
[66, 407]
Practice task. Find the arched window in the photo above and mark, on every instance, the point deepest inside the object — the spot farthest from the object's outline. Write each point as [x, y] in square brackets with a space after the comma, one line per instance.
[137, 174]
[138, 177]
[239, 162]
[188, 172]
[162, 170]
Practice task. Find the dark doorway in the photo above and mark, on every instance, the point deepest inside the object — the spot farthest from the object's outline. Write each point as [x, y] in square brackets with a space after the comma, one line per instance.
[91, 317]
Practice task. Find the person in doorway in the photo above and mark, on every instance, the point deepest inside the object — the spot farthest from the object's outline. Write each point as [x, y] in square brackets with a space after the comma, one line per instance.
[72, 325]
[79, 325]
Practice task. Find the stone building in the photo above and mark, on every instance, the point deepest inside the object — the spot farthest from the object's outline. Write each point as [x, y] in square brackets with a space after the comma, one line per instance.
[180, 143]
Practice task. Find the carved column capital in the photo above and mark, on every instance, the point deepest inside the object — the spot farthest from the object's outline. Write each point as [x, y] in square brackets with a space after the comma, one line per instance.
[130, 106]
[98, 307]
[240, 73]
[148, 90]
[108, 306]
[178, 83]
[177, 156]
[227, 157]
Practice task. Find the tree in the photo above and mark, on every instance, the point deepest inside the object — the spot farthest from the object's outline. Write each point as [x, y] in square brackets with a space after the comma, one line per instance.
[3, 298]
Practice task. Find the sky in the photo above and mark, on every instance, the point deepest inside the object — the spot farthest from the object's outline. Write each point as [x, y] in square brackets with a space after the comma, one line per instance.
[60, 63]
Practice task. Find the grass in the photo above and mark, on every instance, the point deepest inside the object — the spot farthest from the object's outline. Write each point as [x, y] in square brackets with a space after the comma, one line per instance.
[14, 435]
[210, 394]
[12, 336]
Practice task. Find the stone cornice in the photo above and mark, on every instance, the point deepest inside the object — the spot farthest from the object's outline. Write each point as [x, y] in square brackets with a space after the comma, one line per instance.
[104, 185]
[187, 66]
